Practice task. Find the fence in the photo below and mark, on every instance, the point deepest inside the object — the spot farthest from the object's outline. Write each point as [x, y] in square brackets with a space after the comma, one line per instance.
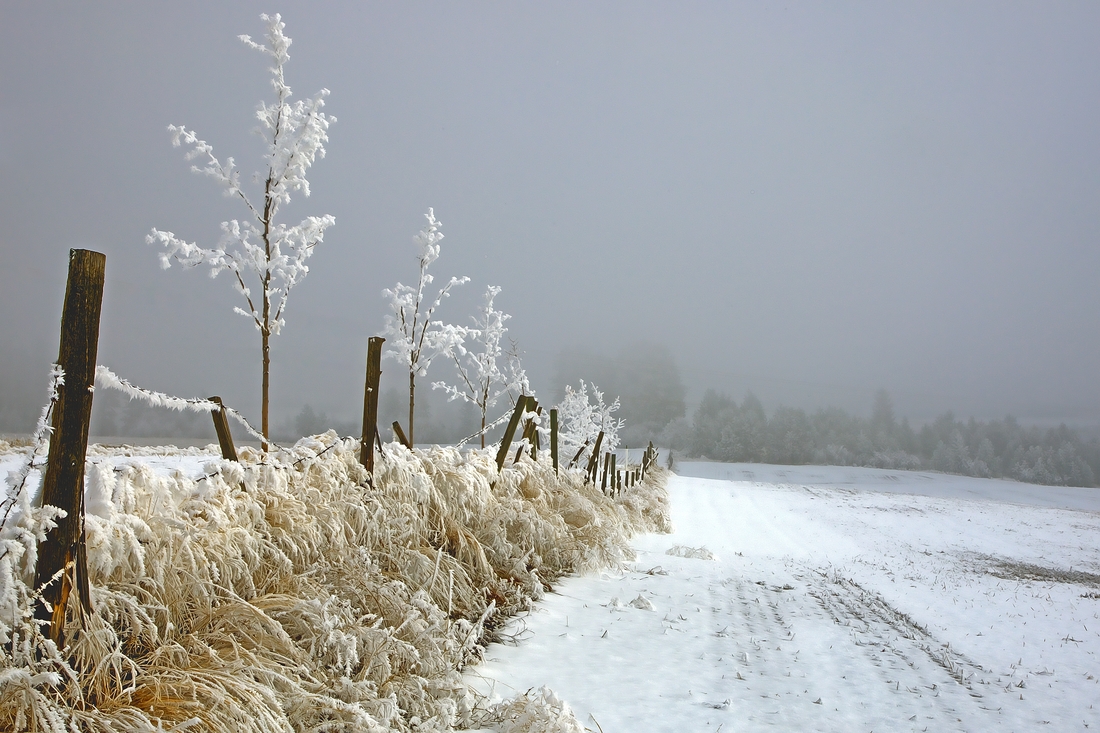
[62, 561]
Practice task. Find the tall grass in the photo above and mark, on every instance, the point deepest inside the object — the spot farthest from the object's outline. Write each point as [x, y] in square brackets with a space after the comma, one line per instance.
[299, 597]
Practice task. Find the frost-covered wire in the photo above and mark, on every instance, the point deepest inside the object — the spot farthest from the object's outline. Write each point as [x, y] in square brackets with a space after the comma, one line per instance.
[17, 480]
[104, 377]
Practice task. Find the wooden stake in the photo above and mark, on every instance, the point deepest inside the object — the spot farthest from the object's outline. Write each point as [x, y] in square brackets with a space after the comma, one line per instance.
[580, 451]
[510, 432]
[554, 439]
[221, 427]
[594, 459]
[370, 403]
[63, 484]
[401, 435]
[530, 432]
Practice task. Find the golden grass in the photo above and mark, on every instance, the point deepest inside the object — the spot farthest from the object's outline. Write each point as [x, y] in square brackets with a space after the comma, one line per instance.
[301, 598]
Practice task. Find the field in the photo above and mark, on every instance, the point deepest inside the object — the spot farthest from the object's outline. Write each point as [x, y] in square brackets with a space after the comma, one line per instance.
[834, 599]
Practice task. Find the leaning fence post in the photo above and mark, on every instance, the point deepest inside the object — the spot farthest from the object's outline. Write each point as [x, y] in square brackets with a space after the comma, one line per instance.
[530, 431]
[401, 435]
[603, 473]
[554, 438]
[370, 403]
[594, 459]
[63, 484]
[510, 432]
[221, 427]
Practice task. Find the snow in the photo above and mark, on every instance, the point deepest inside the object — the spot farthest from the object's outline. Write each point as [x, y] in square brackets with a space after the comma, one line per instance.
[837, 599]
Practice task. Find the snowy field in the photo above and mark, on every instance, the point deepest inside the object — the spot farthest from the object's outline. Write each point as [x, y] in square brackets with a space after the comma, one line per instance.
[835, 599]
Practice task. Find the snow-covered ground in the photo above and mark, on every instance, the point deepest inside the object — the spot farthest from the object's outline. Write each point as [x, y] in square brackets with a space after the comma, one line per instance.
[831, 598]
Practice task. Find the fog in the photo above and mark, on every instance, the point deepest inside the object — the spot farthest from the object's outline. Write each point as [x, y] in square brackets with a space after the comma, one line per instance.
[811, 201]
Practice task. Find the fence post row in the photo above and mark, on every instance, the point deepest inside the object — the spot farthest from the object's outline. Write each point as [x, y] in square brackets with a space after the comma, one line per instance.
[370, 403]
[63, 551]
[221, 427]
[510, 431]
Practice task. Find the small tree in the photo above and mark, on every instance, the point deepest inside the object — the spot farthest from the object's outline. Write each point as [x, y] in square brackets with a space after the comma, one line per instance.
[414, 338]
[272, 253]
[482, 381]
[581, 420]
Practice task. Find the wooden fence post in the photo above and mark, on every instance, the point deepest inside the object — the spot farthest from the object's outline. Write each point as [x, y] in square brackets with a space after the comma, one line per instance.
[580, 452]
[594, 459]
[612, 473]
[510, 432]
[370, 403]
[401, 435]
[63, 485]
[603, 473]
[554, 439]
[221, 427]
[530, 431]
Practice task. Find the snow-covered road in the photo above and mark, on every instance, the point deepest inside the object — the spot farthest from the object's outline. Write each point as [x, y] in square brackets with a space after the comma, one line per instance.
[832, 600]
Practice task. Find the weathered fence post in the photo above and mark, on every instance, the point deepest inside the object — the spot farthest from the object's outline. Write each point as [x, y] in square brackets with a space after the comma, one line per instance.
[63, 485]
[579, 453]
[370, 403]
[401, 435]
[530, 431]
[221, 427]
[510, 432]
[603, 473]
[594, 459]
[612, 473]
[554, 439]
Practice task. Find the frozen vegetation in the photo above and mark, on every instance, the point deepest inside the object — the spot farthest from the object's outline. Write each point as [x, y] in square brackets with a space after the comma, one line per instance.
[288, 592]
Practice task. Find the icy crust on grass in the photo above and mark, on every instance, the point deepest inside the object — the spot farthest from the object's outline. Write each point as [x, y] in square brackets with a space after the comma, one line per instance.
[257, 597]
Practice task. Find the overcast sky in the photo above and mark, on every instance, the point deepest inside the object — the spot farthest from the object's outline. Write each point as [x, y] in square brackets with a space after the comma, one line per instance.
[811, 201]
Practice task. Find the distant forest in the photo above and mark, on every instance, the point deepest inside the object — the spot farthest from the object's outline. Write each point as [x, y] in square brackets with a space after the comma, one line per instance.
[724, 430]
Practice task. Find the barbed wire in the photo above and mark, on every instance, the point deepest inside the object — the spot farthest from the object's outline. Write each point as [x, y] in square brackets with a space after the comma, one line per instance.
[104, 377]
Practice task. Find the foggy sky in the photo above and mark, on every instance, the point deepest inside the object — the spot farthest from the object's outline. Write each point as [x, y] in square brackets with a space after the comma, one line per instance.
[811, 201]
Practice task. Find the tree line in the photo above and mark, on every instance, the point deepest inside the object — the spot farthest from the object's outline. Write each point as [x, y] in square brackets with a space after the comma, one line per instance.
[723, 429]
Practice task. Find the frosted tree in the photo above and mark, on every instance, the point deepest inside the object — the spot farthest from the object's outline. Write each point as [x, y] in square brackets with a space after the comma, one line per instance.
[414, 338]
[259, 249]
[482, 381]
[582, 419]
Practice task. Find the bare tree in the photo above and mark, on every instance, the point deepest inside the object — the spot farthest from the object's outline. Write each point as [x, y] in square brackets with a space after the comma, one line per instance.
[482, 381]
[259, 248]
[414, 338]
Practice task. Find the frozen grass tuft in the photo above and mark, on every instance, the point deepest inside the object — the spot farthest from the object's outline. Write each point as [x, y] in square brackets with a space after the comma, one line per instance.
[298, 597]
[697, 553]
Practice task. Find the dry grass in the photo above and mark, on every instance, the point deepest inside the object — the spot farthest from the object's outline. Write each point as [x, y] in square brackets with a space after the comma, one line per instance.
[303, 599]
